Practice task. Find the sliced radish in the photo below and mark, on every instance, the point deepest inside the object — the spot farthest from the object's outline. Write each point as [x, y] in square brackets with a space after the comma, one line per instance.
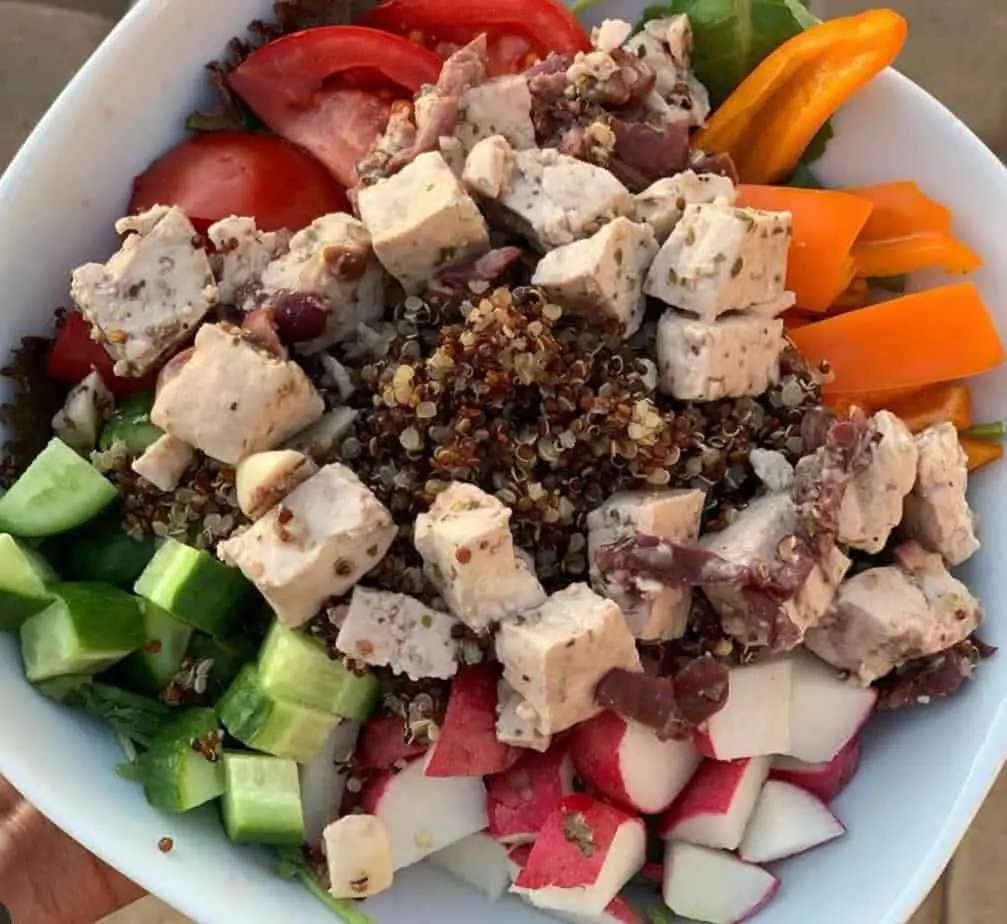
[756, 718]
[517, 859]
[586, 852]
[653, 872]
[323, 780]
[713, 886]
[467, 744]
[787, 820]
[521, 799]
[826, 712]
[825, 780]
[382, 744]
[627, 764]
[423, 814]
[717, 804]
[618, 911]
[479, 861]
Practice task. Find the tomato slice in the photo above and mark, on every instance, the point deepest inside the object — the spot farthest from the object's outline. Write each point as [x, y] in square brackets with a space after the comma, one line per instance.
[219, 174]
[75, 356]
[519, 31]
[330, 89]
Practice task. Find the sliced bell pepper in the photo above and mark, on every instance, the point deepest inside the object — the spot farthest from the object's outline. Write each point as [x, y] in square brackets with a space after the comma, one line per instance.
[856, 295]
[943, 403]
[910, 254]
[901, 209]
[981, 452]
[934, 336]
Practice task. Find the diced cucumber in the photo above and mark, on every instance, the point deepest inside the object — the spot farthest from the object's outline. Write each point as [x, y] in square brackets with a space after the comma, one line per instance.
[229, 656]
[262, 800]
[84, 630]
[58, 492]
[296, 667]
[103, 552]
[131, 425]
[194, 587]
[23, 576]
[267, 723]
[64, 688]
[137, 404]
[151, 668]
[182, 769]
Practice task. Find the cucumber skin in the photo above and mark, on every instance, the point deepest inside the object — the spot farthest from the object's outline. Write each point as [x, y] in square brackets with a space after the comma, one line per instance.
[131, 425]
[149, 671]
[105, 553]
[58, 492]
[24, 574]
[64, 689]
[171, 757]
[243, 829]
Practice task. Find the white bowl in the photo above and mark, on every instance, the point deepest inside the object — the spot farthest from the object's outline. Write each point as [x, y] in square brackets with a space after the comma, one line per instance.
[925, 771]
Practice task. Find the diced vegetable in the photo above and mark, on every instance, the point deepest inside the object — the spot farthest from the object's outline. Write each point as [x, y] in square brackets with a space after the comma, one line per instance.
[981, 452]
[84, 630]
[908, 255]
[942, 334]
[229, 656]
[63, 689]
[131, 425]
[996, 430]
[943, 403]
[262, 800]
[194, 587]
[900, 210]
[151, 668]
[58, 492]
[102, 551]
[182, 769]
[23, 576]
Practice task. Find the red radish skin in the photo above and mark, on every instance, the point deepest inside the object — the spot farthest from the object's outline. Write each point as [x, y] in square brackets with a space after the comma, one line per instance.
[715, 807]
[383, 743]
[653, 872]
[467, 744]
[626, 763]
[618, 911]
[584, 855]
[522, 798]
[787, 821]
[825, 780]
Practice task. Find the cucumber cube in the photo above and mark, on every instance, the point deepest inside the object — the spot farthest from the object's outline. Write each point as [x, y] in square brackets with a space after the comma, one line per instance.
[102, 551]
[151, 668]
[58, 492]
[262, 800]
[229, 656]
[194, 587]
[23, 576]
[63, 688]
[267, 723]
[296, 667]
[84, 630]
[182, 769]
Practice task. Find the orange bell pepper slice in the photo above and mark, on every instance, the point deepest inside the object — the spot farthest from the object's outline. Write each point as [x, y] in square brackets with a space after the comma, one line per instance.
[901, 209]
[981, 452]
[939, 335]
[943, 403]
[910, 254]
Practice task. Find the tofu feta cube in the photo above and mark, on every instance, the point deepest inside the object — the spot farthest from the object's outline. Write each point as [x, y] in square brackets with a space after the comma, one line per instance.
[517, 721]
[554, 655]
[399, 632]
[886, 616]
[611, 34]
[601, 277]
[937, 513]
[754, 540]
[488, 167]
[78, 423]
[164, 462]
[243, 253]
[325, 536]
[232, 399]
[469, 554]
[653, 611]
[720, 258]
[729, 358]
[662, 204]
[501, 106]
[332, 258]
[421, 219]
[150, 296]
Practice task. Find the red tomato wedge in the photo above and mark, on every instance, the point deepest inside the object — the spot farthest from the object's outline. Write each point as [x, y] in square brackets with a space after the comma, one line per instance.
[237, 173]
[519, 31]
[75, 355]
[329, 89]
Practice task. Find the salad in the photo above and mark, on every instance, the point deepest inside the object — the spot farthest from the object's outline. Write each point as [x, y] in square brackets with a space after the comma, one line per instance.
[490, 444]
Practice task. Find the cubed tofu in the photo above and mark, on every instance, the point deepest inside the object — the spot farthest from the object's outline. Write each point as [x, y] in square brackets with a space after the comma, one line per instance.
[151, 295]
[720, 258]
[517, 722]
[243, 253]
[231, 398]
[773, 469]
[729, 358]
[333, 259]
[755, 539]
[653, 611]
[873, 502]
[937, 513]
[325, 536]
[469, 554]
[422, 219]
[164, 462]
[601, 277]
[662, 204]
[488, 167]
[555, 655]
[501, 106]
[611, 34]
[399, 632]
[886, 616]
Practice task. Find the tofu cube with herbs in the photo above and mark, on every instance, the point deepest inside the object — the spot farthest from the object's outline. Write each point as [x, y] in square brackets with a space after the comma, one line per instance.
[323, 538]
[501, 106]
[243, 253]
[399, 632]
[720, 258]
[469, 554]
[150, 296]
[601, 278]
[555, 655]
[663, 203]
[729, 358]
[232, 399]
[421, 220]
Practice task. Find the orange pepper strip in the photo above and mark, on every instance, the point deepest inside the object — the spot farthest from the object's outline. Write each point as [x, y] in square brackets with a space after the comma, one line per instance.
[785, 125]
[981, 452]
[934, 336]
[857, 295]
[909, 254]
[944, 403]
[826, 225]
[901, 209]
